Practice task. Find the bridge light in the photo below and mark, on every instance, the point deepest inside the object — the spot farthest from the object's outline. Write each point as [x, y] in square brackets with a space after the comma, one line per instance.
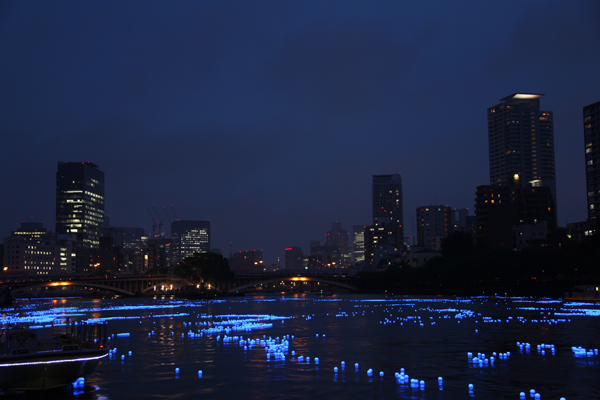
[60, 283]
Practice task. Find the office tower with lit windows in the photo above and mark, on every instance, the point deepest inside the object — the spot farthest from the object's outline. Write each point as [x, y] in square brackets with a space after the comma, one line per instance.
[521, 142]
[33, 250]
[80, 202]
[358, 244]
[591, 130]
[189, 237]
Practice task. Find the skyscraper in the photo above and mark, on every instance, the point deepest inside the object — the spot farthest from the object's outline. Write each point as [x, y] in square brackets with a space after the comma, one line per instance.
[386, 236]
[591, 129]
[358, 243]
[337, 240]
[189, 237]
[387, 200]
[521, 142]
[80, 202]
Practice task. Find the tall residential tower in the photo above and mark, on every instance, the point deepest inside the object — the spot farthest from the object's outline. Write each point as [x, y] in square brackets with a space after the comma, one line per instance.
[385, 237]
[521, 142]
[591, 129]
[387, 201]
[80, 202]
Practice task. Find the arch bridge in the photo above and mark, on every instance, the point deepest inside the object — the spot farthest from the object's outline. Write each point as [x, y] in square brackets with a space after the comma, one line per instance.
[120, 285]
[294, 281]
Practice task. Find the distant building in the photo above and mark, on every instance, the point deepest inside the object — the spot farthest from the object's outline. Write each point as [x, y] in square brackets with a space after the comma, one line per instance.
[33, 250]
[318, 261]
[294, 258]
[106, 258]
[419, 255]
[435, 242]
[521, 142]
[531, 235]
[387, 215]
[322, 256]
[495, 216]
[358, 244]
[462, 221]
[137, 254]
[381, 245]
[189, 237]
[433, 221]
[314, 246]
[127, 238]
[159, 253]
[246, 261]
[80, 202]
[502, 210]
[387, 202]
[591, 129]
[337, 239]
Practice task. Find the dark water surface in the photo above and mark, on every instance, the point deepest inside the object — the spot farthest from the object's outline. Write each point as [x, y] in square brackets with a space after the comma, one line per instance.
[429, 338]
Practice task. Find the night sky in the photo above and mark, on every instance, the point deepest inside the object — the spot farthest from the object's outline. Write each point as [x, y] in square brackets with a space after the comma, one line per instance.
[270, 117]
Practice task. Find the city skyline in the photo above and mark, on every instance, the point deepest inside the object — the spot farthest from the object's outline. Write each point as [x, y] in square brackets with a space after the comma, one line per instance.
[269, 120]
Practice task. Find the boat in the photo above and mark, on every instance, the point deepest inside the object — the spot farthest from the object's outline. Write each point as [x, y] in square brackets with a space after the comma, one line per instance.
[31, 363]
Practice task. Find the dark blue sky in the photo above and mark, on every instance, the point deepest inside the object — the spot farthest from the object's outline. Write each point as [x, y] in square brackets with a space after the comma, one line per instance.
[269, 117]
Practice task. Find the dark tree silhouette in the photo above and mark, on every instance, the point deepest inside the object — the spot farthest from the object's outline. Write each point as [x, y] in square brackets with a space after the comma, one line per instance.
[458, 244]
[204, 268]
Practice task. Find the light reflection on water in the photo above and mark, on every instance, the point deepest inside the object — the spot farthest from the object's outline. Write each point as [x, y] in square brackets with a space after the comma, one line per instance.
[427, 337]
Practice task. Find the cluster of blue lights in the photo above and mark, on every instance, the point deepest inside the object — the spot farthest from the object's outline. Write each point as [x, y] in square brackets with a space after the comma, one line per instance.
[226, 329]
[482, 361]
[582, 352]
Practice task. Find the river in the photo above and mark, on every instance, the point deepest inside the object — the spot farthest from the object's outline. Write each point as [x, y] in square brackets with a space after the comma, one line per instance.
[334, 347]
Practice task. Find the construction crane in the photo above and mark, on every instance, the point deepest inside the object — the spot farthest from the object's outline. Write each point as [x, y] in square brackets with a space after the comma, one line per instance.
[153, 221]
[174, 213]
[159, 219]
[168, 215]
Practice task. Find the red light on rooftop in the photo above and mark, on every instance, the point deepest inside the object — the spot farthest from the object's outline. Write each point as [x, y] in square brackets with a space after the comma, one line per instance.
[289, 248]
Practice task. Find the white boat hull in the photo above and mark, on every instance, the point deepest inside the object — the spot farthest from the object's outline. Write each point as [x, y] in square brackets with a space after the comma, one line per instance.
[47, 370]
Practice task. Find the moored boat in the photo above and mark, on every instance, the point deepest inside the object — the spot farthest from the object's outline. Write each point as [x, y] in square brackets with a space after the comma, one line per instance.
[52, 362]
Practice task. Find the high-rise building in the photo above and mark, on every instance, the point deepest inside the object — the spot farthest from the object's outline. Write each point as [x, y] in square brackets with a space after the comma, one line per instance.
[433, 221]
[591, 130]
[387, 200]
[388, 213]
[189, 237]
[337, 239]
[80, 202]
[521, 142]
[294, 258]
[358, 244]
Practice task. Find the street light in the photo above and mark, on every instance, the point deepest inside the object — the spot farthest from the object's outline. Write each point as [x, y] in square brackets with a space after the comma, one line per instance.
[5, 269]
